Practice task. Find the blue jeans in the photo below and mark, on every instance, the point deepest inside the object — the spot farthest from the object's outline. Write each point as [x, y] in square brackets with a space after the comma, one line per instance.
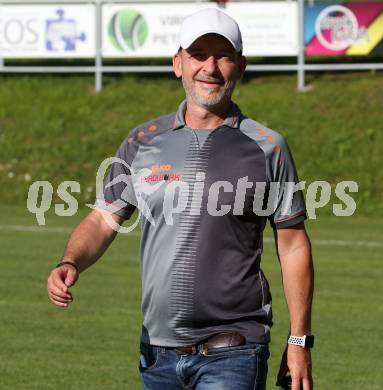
[233, 368]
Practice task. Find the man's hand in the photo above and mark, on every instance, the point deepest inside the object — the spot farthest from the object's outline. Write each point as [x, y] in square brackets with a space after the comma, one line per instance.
[59, 281]
[299, 364]
[86, 244]
[297, 361]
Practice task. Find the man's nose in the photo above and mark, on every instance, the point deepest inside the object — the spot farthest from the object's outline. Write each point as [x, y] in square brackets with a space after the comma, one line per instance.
[210, 64]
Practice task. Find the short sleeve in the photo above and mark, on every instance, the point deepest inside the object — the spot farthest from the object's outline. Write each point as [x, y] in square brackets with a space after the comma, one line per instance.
[290, 205]
[117, 194]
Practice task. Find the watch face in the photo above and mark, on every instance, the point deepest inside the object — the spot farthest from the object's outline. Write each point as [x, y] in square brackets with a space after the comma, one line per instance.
[309, 342]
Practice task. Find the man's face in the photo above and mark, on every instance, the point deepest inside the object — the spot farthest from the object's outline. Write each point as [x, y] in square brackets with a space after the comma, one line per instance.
[209, 69]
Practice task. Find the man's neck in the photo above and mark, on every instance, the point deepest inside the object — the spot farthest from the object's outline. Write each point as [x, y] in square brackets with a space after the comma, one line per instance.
[197, 117]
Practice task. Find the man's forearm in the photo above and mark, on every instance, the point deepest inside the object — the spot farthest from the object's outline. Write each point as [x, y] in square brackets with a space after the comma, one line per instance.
[88, 241]
[298, 282]
[294, 251]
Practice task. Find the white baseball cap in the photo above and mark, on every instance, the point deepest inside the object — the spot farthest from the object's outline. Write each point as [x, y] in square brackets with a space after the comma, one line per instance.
[210, 21]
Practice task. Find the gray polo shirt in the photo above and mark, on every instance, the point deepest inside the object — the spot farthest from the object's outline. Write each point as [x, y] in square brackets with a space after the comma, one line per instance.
[204, 201]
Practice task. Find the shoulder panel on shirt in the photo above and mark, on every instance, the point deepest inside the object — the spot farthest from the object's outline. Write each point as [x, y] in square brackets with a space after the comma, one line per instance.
[271, 142]
[123, 189]
[145, 132]
[280, 168]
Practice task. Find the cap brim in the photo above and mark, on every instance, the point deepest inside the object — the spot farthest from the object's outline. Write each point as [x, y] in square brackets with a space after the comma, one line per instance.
[186, 43]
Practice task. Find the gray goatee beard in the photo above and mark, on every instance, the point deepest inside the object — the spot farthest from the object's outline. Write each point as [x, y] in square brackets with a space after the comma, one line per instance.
[212, 101]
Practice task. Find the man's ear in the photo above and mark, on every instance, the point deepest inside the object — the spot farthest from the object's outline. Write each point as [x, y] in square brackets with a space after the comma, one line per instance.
[242, 63]
[177, 67]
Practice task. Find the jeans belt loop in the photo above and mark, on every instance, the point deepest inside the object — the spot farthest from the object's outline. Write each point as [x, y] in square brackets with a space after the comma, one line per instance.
[204, 350]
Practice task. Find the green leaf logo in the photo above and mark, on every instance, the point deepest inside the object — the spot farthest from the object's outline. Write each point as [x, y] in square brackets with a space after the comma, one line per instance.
[128, 30]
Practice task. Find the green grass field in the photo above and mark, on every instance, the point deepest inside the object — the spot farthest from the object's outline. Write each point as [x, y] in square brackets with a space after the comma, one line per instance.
[94, 343]
[56, 128]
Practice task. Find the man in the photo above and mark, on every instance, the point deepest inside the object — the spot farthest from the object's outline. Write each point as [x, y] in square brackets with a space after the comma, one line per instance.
[197, 177]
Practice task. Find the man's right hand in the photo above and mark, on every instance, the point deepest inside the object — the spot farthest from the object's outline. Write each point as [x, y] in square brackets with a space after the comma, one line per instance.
[59, 281]
[87, 243]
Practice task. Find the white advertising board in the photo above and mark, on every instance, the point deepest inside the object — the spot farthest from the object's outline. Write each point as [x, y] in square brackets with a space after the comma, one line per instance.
[151, 30]
[143, 30]
[47, 31]
[268, 28]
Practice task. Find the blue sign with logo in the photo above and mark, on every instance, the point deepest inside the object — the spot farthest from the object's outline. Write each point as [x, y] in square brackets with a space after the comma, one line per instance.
[61, 34]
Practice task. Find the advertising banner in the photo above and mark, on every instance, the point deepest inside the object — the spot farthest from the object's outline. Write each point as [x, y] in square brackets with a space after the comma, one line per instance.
[47, 31]
[268, 28]
[143, 30]
[344, 29]
[151, 30]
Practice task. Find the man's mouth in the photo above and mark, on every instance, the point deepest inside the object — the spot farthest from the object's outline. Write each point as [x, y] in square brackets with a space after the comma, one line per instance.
[210, 83]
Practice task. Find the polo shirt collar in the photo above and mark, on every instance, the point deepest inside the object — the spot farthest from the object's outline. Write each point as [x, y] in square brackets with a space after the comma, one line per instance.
[232, 120]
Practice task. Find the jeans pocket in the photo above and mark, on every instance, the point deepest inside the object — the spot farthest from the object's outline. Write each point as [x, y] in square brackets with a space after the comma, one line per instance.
[149, 356]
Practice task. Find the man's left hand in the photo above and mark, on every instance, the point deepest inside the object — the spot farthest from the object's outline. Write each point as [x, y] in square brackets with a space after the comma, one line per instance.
[297, 361]
[299, 364]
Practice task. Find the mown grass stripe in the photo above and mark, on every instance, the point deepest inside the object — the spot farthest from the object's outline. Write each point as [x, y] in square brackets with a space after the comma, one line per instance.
[342, 243]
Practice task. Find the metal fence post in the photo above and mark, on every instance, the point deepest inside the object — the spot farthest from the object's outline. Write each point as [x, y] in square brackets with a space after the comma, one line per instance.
[98, 59]
[301, 45]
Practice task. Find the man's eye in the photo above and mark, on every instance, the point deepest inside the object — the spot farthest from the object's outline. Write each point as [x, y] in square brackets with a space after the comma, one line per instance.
[201, 56]
[198, 55]
[226, 57]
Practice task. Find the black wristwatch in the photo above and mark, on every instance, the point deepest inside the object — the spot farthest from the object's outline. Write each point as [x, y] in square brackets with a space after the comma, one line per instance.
[306, 341]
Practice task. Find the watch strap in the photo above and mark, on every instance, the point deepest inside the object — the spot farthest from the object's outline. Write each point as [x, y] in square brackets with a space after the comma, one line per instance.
[306, 341]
